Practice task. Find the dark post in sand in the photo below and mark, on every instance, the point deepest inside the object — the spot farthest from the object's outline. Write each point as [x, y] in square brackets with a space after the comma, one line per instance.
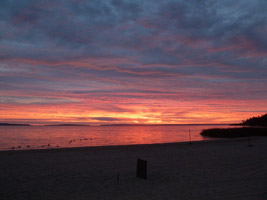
[141, 170]
[118, 178]
[249, 143]
[190, 140]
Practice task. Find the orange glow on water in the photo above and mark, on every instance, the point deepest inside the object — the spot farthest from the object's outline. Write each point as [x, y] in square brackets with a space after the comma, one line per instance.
[38, 137]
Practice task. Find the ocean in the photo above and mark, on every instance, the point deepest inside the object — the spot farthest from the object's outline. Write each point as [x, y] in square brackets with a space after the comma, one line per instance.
[45, 137]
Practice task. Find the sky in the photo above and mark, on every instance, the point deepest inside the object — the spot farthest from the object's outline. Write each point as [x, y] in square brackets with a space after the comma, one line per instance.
[124, 61]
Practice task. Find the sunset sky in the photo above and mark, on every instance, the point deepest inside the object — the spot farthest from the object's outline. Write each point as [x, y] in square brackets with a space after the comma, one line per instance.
[132, 61]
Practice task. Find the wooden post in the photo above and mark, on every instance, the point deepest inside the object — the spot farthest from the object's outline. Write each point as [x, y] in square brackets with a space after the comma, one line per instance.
[118, 178]
[190, 141]
[249, 143]
[141, 170]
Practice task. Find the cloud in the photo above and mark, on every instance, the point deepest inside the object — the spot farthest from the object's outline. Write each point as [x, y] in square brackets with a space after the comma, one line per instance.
[122, 51]
[34, 100]
[107, 119]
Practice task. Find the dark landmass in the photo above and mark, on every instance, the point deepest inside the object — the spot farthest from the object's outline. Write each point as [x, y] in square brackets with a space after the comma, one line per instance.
[234, 132]
[67, 125]
[8, 124]
[255, 126]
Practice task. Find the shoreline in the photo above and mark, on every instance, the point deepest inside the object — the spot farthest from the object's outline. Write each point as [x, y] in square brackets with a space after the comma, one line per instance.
[217, 140]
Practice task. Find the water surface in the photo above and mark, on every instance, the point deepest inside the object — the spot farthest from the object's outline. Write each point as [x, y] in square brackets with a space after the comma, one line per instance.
[37, 137]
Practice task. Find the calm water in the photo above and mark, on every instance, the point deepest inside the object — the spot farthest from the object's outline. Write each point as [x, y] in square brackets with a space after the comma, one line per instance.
[39, 137]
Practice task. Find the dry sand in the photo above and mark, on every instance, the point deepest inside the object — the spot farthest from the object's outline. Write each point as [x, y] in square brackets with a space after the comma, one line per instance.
[226, 169]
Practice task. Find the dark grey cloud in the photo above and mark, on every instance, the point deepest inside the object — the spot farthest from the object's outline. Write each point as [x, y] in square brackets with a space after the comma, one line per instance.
[34, 100]
[81, 29]
[139, 46]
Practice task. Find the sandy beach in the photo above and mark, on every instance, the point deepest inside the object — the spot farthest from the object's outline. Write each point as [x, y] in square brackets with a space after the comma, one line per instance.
[224, 169]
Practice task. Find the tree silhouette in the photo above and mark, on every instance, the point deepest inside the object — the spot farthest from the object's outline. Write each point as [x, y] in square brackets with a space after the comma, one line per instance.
[256, 121]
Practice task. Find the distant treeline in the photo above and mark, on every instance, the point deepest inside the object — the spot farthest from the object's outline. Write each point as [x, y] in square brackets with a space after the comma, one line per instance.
[256, 121]
[8, 124]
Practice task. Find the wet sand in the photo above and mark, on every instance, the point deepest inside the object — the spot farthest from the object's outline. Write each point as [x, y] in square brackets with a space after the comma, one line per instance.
[223, 169]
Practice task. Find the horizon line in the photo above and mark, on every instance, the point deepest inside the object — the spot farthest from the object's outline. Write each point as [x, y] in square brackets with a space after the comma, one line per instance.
[119, 124]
